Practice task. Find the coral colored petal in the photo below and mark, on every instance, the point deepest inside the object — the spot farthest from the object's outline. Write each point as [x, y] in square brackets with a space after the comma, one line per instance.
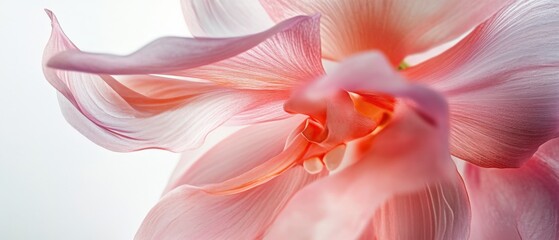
[340, 206]
[240, 152]
[223, 18]
[518, 203]
[440, 211]
[146, 111]
[156, 94]
[282, 57]
[395, 27]
[502, 85]
[190, 213]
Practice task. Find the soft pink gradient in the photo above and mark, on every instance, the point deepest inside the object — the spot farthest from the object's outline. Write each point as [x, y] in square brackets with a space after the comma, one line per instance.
[396, 27]
[363, 152]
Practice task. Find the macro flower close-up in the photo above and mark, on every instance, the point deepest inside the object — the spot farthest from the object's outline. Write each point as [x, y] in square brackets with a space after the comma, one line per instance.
[357, 119]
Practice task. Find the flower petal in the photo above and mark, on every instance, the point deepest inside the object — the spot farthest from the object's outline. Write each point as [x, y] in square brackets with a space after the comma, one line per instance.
[118, 127]
[190, 213]
[440, 211]
[502, 84]
[290, 157]
[282, 57]
[402, 157]
[396, 27]
[159, 113]
[518, 203]
[219, 18]
[285, 60]
[240, 152]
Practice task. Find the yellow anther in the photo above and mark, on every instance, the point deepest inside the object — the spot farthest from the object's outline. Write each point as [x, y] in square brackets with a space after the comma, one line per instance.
[403, 65]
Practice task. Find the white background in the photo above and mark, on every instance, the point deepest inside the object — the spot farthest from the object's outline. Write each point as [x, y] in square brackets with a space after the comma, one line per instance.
[54, 183]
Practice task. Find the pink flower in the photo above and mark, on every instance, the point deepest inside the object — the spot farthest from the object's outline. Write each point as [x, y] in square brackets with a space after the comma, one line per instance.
[363, 152]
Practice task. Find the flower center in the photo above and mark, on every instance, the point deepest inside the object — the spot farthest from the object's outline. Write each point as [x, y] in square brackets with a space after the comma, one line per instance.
[329, 155]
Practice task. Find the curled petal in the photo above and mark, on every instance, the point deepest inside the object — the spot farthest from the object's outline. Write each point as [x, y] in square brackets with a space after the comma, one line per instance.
[520, 203]
[502, 85]
[284, 56]
[396, 27]
[222, 18]
[146, 111]
[190, 213]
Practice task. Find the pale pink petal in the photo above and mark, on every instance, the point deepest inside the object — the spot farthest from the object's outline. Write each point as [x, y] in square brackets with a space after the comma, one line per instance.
[225, 18]
[282, 57]
[518, 203]
[272, 110]
[159, 113]
[118, 127]
[283, 61]
[290, 157]
[190, 213]
[268, 106]
[240, 152]
[340, 206]
[440, 211]
[395, 27]
[502, 85]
